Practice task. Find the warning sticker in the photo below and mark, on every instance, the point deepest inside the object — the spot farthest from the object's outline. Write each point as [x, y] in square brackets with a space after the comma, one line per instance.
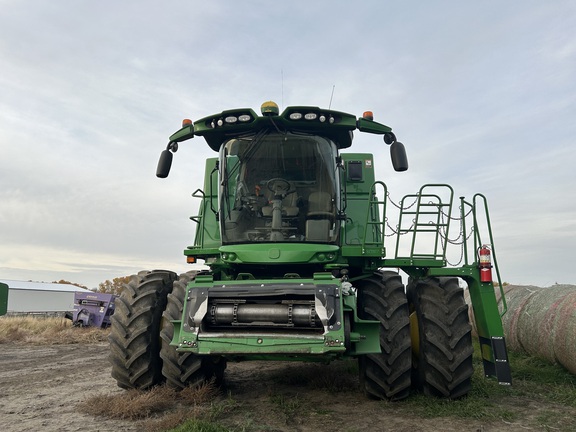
[368, 163]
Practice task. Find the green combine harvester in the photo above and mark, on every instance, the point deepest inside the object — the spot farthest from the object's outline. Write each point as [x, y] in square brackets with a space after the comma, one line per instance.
[295, 235]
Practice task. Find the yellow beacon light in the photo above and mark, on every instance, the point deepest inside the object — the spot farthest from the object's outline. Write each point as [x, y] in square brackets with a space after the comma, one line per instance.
[269, 108]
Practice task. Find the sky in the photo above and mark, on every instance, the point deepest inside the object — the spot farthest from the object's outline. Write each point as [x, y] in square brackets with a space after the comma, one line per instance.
[482, 94]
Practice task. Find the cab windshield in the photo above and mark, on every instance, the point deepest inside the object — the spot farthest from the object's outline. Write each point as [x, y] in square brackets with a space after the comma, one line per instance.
[278, 187]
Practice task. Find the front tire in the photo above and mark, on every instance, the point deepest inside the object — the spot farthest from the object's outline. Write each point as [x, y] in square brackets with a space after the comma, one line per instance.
[386, 375]
[135, 330]
[185, 369]
[443, 336]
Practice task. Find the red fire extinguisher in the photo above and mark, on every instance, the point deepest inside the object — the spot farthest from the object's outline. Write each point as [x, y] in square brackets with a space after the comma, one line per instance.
[485, 264]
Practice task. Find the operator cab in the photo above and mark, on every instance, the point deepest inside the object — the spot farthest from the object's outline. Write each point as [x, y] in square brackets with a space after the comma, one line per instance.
[279, 187]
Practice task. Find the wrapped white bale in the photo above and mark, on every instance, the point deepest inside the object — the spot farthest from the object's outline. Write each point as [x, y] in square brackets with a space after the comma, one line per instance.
[556, 336]
[516, 299]
[540, 322]
[565, 335]
[470, 312]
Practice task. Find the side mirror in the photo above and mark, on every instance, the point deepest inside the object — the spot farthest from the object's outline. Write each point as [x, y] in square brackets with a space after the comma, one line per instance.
[164, 164]
[398, 155]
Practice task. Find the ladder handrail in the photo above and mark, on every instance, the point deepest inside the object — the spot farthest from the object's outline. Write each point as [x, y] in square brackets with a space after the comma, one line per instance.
[478, 243]
[375, 220]
[434, 200]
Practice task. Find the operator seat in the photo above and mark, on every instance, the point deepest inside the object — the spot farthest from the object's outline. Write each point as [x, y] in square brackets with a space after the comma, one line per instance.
[320, 217]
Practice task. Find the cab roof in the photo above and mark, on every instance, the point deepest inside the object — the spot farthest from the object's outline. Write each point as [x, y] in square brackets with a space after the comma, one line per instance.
[335, 125]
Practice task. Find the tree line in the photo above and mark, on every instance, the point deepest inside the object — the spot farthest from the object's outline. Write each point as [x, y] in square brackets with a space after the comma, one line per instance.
[114, 286]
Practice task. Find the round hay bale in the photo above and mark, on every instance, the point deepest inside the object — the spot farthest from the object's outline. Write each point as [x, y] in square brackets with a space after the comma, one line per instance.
[539, 321]
[542, 322]
[517, 297]
[470, 312]
[565, 331]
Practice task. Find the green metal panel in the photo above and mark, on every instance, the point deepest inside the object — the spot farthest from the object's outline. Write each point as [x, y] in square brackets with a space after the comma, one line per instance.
[207, 238]
[183, 134]
[357, 201]
[335, 125]
[3, 298]
[215, 129]
[279, 253]
[364, 335]
[485, 307]
[370, 126]
[249, 343]
[237, 342]
[490, 330]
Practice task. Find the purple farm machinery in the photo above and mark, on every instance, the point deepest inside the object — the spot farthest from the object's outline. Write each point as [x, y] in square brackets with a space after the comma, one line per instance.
[92, 309]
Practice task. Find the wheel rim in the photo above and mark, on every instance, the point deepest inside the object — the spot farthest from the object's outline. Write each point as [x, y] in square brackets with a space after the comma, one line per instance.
[415, 335]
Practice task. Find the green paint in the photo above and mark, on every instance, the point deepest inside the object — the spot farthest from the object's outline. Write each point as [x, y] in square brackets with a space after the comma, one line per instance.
[274, 246]
[3, 298]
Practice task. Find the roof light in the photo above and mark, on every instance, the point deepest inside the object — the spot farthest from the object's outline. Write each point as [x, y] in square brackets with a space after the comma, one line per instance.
[231, 119]
[269, 108]
[331, 120]
[186, 122]
[322, 118]
[295, 116]
[368, 115]
[311, 116]
[244, 118]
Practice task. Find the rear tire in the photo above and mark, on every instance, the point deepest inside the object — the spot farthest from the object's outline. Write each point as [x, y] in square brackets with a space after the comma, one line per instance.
[442, 363]
[386, 375]
[135, 330]
[185, 369]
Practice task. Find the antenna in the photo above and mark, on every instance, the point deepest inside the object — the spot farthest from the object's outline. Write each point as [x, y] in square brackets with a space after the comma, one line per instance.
[331, 96]
[282, 78]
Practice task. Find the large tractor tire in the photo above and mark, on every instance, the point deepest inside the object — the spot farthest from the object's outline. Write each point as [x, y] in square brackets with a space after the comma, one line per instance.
[386, 375]
[135, 330]
[441, 338]
[185, 369]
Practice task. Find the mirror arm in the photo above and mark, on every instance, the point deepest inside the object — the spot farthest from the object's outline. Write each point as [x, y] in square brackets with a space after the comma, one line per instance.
[172, 146]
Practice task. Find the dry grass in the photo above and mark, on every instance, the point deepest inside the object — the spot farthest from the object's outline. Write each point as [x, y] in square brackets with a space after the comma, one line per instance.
[161, 407]
[47, 331]
[131, 404]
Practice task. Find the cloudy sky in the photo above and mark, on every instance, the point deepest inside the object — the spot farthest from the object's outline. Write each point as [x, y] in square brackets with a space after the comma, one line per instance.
[483, 95]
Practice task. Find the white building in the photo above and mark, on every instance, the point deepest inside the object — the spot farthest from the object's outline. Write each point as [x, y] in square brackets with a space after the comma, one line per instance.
[40, 297]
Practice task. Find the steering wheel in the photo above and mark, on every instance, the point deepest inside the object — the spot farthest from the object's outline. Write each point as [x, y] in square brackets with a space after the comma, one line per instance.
[279, 186]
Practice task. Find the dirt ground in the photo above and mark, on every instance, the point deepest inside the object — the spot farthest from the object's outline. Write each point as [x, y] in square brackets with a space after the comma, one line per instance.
[40, 387]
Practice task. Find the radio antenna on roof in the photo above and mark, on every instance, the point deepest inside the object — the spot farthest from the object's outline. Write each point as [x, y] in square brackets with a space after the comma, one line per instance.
[331, 96]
